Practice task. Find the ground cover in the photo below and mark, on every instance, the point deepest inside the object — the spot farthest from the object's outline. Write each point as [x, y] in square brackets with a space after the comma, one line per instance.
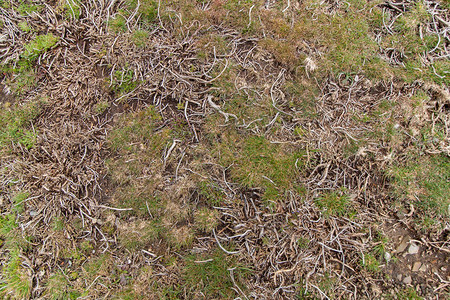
[216, 149]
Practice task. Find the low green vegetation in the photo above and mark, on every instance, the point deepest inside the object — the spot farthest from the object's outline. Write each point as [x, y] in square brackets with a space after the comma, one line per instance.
[146, 9]
[206, 219]
[58, 287]
[15, 280]
[140, 38]
[101, 107]
[210, 274]
[424, 181]
[72, 8]
[18, 202]
[210, 193]
[408, 294]
[16, 126]
[24, 26]
[370, 263]
[137, 146]
[373, 259]
[335, 203]
[123, 82]
[21, 76]
[27, 7]
[255, 162]
[39, 45]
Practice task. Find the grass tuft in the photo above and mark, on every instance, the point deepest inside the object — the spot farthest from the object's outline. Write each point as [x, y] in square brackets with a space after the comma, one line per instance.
[335, 203]
[15, 126]
[39, 45]
[210, 274]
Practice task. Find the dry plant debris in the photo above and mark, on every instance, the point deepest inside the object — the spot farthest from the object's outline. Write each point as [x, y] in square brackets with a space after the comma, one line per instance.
[224, 149]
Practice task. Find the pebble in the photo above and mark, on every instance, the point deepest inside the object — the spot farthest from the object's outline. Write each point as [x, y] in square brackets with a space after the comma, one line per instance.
[423, 268]
[413, 248]
[407, 280]
[387, 256]
[416, 266]
[376, 289]
[403, 244]
[123, 280]
[399, 277]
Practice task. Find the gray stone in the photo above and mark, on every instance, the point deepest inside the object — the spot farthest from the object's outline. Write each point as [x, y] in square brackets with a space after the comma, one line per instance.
[416, 266]
[403, 244]
[413, 248]
[123, 280]
[407, 280]
[423, 268]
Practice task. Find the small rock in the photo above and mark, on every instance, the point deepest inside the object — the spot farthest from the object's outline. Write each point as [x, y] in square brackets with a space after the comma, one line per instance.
[33, 213]
[387, 256]
[376, 289]
[413, 248]
[399, 277]
[407, 280]
[423, 268]
[416, 266]
[403, 244]
[123, 280]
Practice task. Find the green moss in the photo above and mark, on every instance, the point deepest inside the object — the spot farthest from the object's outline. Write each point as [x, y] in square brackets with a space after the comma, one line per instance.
[210, 274]
[370, 263]
[424, 180]
[39, 45]
[18, 199]
[24, 26]
[118, 23]
[101, 107]
[255, 162]
[15, 126]
[26, 8]
[148, 11]
[16, 281]
[72, 8]
[206, 219]
[303, 242]
[58, 287]
[209, 192]
[123, 81]
[58, 223]
[335, 203]
[140, 38]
